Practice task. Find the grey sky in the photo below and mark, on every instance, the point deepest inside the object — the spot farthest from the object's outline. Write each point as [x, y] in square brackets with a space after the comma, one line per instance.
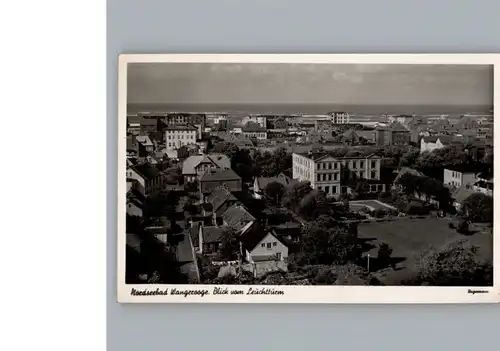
[310, 83]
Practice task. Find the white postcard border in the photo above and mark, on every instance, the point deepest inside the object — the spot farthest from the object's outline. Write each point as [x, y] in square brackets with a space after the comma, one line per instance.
[299, 294]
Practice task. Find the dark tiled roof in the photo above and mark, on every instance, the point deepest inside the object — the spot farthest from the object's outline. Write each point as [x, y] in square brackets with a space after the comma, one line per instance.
[253, 128]
[281, 178]
[148, 122]
[237, 217]
[219, 196]
[146, 170]
[219, 175]
[212, 234]
[254, 236]
[430, 139]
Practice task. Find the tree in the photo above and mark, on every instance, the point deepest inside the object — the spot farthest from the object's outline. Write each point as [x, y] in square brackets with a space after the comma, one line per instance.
[294, 193]
[409, 158]
[229, 246]
[456, 264]
[326, 242]
[241, 163]
[384, 254]
[275, 191]
[313, 204]
[478, 207]
[226, 148]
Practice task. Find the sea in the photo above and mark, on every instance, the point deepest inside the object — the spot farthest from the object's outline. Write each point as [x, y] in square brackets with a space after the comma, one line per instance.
[308, 108]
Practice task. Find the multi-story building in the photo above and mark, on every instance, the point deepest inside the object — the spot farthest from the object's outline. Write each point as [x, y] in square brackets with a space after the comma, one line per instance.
[179, 135]
[334, 175]
[198, 120]
[394, 134]
[259, 119]
[338, 117]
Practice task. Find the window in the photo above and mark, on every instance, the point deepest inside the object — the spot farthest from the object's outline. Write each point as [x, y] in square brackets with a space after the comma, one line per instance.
[362, 174]
[318, 176]
[329, 165]
[361, 164]
[330, 176]
[327, 189]
[353, 164]
[336, 176]
[263, 245]
[275, 244]
[269, 245]
[335, 165]
[374, 175]
[334, 189]
[318, 166]
[374, 164]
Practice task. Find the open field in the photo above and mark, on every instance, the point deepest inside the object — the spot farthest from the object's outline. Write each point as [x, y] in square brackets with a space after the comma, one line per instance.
[410, 237]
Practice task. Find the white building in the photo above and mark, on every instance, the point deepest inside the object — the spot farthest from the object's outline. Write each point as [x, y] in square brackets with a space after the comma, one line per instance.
[179, 135]
[261, 246]
[333, 174]
[339, 117]
[457, 178]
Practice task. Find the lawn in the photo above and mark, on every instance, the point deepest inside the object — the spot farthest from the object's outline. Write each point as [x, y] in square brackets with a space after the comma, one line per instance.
[371, 204]
[411, 237]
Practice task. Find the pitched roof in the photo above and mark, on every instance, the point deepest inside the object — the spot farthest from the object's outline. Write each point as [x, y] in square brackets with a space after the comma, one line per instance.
[253, 127]
[144, 140]
[350, 134]
[255, 235]
[212, 234]
[146, 170]
[219, 196]
[237, 217]
[190, 163]
[219, 175]
[281, 179]
[429, 139]
[397, 127]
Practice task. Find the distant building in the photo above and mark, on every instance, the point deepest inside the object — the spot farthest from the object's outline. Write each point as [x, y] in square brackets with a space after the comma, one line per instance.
[456, 177]
[146, 142]
[431, 143]
[394, 134]
[254, 131]
[338, 117]
[335, 175]
[261, 120]
[198, 120]
[179, 135]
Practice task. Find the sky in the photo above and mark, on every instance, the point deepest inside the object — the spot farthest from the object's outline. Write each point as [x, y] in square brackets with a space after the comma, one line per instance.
[310, 83]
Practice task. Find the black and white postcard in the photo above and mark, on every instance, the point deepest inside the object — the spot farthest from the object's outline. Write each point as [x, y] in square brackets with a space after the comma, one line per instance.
[307, 178]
